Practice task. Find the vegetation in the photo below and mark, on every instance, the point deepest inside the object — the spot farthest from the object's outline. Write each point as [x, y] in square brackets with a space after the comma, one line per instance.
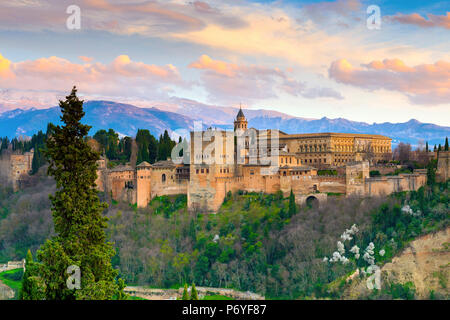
[258, 247]
[13, 279]
[257, 242]
[194, 295]
[327, 173]
[185, 293]
[77, 213]
[374, 173]
[216, 297]
[152, 150]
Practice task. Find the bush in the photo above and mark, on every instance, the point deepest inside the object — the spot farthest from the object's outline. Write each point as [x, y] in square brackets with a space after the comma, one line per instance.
[374, 173]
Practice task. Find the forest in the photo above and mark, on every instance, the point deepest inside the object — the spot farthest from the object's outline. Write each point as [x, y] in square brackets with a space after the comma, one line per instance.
[256, 242]
[117, 150]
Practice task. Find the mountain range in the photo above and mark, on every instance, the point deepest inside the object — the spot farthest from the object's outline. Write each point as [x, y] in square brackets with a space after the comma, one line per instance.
[180, 114]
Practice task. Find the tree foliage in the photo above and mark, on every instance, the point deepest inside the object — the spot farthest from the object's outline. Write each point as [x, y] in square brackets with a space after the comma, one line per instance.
[77, 213]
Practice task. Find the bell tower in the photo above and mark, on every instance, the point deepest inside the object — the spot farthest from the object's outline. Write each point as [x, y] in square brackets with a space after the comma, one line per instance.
[240, 123]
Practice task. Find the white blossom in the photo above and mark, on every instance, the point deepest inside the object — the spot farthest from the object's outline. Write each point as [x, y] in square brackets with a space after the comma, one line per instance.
[340, 247]
[355, 251]
[325, 259]
[344, 260]
[406, 209]
[347, 235]
[382, 252]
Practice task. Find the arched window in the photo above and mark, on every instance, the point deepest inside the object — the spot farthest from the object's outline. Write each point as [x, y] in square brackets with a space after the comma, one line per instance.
[163, 178]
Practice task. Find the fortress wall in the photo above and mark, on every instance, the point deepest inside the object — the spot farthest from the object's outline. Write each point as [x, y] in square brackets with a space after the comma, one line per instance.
[378, 186]
[387, 185]
[443, 166]
[116, 184]
[5, 168]
[302, 184]
[252, 179]
[272, 183]
[201, 189]
[332, 184]
[164, 182]
[99, 181]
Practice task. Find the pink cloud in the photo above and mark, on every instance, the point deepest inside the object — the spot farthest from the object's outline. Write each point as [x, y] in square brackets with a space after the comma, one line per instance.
[230, 82]
[422, 84]
[86, 59]
[416, 19]
[121, 77]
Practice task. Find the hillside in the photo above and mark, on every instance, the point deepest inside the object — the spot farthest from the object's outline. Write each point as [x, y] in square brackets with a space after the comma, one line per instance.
[253, 243]
[423, 266]
[181, 114]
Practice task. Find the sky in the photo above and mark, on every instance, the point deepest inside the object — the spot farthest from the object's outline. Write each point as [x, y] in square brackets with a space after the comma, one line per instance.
[309, 59]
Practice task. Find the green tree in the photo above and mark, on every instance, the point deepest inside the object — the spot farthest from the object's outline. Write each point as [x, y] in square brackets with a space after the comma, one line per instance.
[446, 144]
[426, 147]
[431, 172]
[194, 295]
[292, 205]
[35, 163]
[185, 293]
[77, 214]
[32, 286]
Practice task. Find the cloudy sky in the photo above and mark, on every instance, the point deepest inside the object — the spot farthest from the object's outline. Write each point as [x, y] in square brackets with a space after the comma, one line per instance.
[305, 58]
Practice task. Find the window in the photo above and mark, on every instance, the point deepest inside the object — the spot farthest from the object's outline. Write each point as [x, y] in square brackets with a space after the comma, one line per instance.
[196, 171]
[203, 171]
[163, 178]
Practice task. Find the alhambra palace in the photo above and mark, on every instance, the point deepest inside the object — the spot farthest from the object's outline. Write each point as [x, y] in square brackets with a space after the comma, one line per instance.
[235, 163]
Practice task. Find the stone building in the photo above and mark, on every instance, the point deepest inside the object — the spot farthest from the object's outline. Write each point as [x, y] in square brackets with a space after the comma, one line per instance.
[266, 161]
[15, 167]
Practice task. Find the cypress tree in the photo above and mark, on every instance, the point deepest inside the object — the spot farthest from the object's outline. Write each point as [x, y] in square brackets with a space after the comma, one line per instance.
[431, 173]
[292, 205]
[77, 215]
[426, 147]
[194, 295]
[35, 163]
[29, 288]
[446, 144]
[185, 293]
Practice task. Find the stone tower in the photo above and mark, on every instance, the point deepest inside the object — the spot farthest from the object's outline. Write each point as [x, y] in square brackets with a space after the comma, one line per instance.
[443, 166]
[240, 123]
